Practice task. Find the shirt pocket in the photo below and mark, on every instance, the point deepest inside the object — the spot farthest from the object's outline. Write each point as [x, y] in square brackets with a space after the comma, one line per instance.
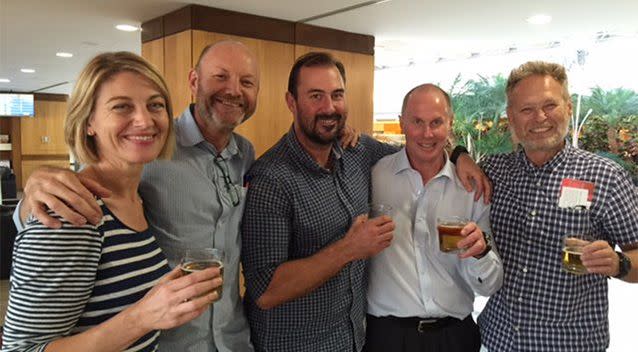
[570, 221]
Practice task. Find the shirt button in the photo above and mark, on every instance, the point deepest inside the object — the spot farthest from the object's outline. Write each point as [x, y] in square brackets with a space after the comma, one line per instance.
[532, 213]
[515, 328]
[524, 270]
[538, 184]
[520, 299]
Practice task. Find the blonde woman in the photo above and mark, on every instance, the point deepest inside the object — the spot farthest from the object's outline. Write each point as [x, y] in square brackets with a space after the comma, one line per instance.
[105, 287]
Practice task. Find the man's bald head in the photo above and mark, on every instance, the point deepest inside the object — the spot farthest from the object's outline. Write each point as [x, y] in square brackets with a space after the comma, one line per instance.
[225, 46]
[425, 88]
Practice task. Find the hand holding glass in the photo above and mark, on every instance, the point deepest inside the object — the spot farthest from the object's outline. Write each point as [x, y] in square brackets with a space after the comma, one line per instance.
[202, 258]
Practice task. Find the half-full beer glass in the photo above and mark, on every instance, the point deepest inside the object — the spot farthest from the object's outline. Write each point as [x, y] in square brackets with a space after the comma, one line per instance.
[202, 258]
[572, 250]
[449, 228]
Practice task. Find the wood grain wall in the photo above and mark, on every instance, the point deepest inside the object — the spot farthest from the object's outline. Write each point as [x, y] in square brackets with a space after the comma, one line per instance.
[185, 32]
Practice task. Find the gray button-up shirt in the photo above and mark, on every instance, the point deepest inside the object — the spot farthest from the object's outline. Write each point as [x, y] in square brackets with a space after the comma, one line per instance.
[190, 204]
[294, 209]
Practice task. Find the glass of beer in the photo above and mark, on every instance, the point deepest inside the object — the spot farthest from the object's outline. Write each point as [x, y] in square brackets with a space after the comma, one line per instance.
[378, 209]
[572, 250]
[449, 229]
[202, 258]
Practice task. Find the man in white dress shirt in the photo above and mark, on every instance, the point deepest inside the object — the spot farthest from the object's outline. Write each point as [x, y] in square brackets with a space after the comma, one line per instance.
[419, 298]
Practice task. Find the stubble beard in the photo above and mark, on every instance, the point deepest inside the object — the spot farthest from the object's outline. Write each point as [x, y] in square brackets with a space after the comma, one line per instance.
[547, 144]
[206, 110]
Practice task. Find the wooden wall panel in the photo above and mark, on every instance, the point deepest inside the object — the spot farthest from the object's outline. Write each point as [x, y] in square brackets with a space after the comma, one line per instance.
[48, 123]
[359, 85]
[153, 51]
[272, 118]
[177, 64]
[28, 166]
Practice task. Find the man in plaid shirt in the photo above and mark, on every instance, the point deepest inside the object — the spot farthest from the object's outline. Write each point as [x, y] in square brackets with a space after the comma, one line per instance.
[542, 192]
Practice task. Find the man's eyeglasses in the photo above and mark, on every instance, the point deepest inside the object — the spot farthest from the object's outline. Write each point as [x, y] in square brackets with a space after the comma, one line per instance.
[231, 188]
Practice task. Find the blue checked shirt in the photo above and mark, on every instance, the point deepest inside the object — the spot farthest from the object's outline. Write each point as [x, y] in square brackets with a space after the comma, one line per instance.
[294, 208]
[540, 307]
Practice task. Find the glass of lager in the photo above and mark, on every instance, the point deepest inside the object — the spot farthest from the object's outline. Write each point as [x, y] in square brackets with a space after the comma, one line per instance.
[449, 228]
[572, 250]
[378, 209]
[202, 258]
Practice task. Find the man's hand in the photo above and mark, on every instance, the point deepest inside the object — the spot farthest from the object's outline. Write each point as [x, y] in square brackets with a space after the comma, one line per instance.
[600, 258]
[66, 193]
[349, 137]
[471, 175]
[367, 237]
[473, 242]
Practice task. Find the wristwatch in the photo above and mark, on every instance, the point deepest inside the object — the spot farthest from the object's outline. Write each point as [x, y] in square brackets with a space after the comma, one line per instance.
[458, 150]
[488, 245]
[624, 265]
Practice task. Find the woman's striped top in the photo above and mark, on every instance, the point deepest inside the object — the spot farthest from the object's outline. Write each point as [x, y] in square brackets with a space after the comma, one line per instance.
[66, 280]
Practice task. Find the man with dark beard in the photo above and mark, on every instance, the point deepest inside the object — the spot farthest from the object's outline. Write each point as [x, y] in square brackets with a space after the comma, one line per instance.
[194, 200]
[305, 233]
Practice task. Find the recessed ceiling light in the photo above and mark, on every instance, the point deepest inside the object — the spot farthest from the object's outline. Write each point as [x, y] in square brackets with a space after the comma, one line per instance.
[63, 54]
[539, 19]
[27, 70]
[127, 28]
[4, 80]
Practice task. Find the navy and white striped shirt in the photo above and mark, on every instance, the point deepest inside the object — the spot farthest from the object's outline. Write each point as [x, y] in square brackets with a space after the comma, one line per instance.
[540, 307]
[64, 281]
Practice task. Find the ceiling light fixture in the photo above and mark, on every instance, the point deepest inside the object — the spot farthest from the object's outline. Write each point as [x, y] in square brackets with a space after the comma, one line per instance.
[63, 54]
[27, 70]
[127, 28]
[539, 19]
[342, 10]
[4, 80]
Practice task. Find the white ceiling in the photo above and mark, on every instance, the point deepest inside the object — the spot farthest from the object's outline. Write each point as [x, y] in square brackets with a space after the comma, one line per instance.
[32, 31]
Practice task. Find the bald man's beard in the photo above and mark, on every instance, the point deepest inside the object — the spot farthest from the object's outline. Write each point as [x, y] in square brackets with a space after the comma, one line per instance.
[205, 106]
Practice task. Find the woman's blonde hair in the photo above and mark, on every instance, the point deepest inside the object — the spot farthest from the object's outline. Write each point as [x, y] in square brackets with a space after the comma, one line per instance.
[81, 104]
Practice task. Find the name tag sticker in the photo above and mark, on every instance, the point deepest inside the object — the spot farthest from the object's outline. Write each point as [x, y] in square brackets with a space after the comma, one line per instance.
[576, 194]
